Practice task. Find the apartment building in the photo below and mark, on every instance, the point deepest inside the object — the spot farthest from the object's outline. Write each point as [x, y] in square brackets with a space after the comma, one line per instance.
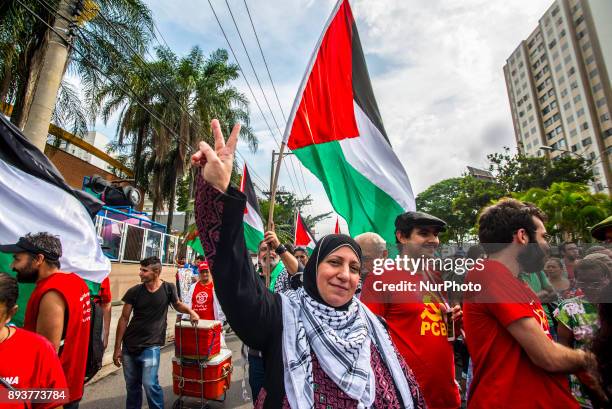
[558, 84]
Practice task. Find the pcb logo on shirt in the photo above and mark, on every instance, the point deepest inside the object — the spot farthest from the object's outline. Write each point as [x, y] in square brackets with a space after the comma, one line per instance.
[431, 321]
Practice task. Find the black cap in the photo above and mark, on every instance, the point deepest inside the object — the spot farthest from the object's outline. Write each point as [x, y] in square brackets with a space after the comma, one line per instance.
[408, 220]
[25, 245]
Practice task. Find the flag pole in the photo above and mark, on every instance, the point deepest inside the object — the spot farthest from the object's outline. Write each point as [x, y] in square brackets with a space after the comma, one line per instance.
[273, 187]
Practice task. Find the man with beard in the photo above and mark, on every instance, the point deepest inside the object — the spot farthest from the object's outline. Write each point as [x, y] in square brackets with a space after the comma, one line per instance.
[516, 362]
[416, 319]
[571, 254]
[58, 308]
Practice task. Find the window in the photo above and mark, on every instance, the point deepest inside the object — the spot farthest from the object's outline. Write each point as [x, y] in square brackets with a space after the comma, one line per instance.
[521, 114]
[553, 104]
[555, 11]
[575, 9]
[531, 43]
[543, 58]
[589, 59]
[559, 130]
[566, 106]
[573, 133]
[550, 135]
[580, 34]
[600, 102]
[548, 122]
[567, 59]
[556, 117]
[605, 117]
[536, 65]
[543, 98]
[580, 112]
[546, 21]
[546, 110]
[552, 44]
[593, 73]
[579, 20]
[531, 118]
[538, 75]
[577, 98]
[570, 119]
[549, 33]
[541, 87]
[586, 141]
[551, 93]
[561, 79]
[562, 144]
[574, 148]
[586, 46]
[564, 92]
[562, 33]
[571, 71]
[555, 55]
[558, 68]
[524, 124]
[545, 68]
[574, 85]
[520, 64]
[522, 74]
[607, 132]
[564, 46]
[597, 87]
[585, 126]
[533, 130]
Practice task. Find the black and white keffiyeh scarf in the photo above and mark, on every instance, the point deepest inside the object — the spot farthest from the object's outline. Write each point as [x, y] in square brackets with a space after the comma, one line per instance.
[341, 340]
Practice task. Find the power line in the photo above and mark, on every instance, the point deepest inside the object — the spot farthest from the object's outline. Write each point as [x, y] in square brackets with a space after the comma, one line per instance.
[144, 65]
[263, 57]
[248, 84]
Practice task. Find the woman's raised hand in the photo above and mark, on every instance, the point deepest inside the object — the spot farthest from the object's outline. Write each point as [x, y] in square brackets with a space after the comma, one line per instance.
[217, 163]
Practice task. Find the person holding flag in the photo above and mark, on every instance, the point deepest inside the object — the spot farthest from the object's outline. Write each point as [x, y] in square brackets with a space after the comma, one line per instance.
[350, 359]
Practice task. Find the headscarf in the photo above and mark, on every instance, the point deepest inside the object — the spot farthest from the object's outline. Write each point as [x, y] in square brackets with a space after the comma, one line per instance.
[324, 248]
[339, 337]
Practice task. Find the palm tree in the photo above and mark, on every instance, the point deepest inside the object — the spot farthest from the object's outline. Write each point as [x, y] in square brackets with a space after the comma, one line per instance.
[183, 93]
[106, 39]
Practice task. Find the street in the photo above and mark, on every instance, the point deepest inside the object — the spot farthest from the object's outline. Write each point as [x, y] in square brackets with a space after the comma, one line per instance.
[107, 389]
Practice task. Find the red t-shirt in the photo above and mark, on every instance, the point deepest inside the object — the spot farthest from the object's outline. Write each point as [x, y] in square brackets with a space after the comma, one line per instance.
[29, 360]
[504, 376]
[202, 300]
[73, 354]
[104, 295]
[419, 333]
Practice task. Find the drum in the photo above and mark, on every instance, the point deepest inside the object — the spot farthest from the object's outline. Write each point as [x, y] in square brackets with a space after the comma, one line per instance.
[197, 342]
[203, 379]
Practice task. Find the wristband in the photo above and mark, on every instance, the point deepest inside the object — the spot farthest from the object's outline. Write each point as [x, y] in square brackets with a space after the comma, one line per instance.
[280, 249]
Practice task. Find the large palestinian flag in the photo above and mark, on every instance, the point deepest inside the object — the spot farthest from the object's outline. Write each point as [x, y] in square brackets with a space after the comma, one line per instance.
[34, 198]
[253, 223]
[336, 131]
[303, 236]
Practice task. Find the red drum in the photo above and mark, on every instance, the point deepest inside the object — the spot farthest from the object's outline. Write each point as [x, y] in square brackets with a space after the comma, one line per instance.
[203, 379]
[197, 342]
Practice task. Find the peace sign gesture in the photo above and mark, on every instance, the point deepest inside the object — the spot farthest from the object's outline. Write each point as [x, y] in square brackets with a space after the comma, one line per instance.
[217, 163]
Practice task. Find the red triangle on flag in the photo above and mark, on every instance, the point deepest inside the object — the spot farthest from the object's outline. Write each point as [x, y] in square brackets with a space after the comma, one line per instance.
[337, 229]
[303, 237]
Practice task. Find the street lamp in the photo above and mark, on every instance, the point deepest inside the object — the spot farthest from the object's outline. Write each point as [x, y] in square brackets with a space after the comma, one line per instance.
[551, 149]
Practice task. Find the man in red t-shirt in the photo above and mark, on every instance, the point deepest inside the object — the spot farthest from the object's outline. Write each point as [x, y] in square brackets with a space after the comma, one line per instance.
[202, 298]
[104, 299]
[416, 319]
[59, 306]
[516, 362]
[28, 360]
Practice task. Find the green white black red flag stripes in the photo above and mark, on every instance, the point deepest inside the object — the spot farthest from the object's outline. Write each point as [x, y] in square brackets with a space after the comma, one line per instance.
[34, 197]
[336, 131]
[303, 236]
[253, 223]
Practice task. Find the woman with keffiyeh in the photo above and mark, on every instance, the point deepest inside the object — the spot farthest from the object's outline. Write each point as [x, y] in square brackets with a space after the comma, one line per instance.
[322, 347]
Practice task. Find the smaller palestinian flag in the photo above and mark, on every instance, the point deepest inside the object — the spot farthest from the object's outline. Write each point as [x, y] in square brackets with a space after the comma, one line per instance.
[337, 228]
[253, 222]
[192, 239]
[303, 236]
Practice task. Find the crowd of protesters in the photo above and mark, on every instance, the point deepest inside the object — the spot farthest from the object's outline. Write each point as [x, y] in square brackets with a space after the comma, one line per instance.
[318, 333]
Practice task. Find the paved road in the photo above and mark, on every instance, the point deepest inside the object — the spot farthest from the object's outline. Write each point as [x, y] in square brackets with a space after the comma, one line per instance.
[108, 390]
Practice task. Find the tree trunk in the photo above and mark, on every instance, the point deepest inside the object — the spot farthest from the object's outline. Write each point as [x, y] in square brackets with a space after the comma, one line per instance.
[7, 78]
[138, 152]
[171, 207]
[36, 127]
[30, 66]
[188, 213]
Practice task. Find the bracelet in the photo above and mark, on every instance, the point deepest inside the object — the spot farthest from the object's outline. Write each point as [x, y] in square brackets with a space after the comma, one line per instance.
[280, 249]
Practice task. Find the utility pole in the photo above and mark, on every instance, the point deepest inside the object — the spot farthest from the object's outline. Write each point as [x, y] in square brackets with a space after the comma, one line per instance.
[36, 127]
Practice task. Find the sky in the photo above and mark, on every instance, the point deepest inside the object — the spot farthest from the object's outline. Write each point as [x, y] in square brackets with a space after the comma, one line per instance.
[435, 66]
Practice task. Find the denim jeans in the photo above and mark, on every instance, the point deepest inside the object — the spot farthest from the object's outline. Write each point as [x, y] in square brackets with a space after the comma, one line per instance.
[140, 371]
[256, 375]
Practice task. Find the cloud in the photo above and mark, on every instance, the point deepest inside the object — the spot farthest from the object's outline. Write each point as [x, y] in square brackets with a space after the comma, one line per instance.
[436, 69]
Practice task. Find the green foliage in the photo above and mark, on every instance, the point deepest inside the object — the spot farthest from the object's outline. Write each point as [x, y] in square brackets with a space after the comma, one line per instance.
[518, 173]
[571, 209]
[285, 206]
